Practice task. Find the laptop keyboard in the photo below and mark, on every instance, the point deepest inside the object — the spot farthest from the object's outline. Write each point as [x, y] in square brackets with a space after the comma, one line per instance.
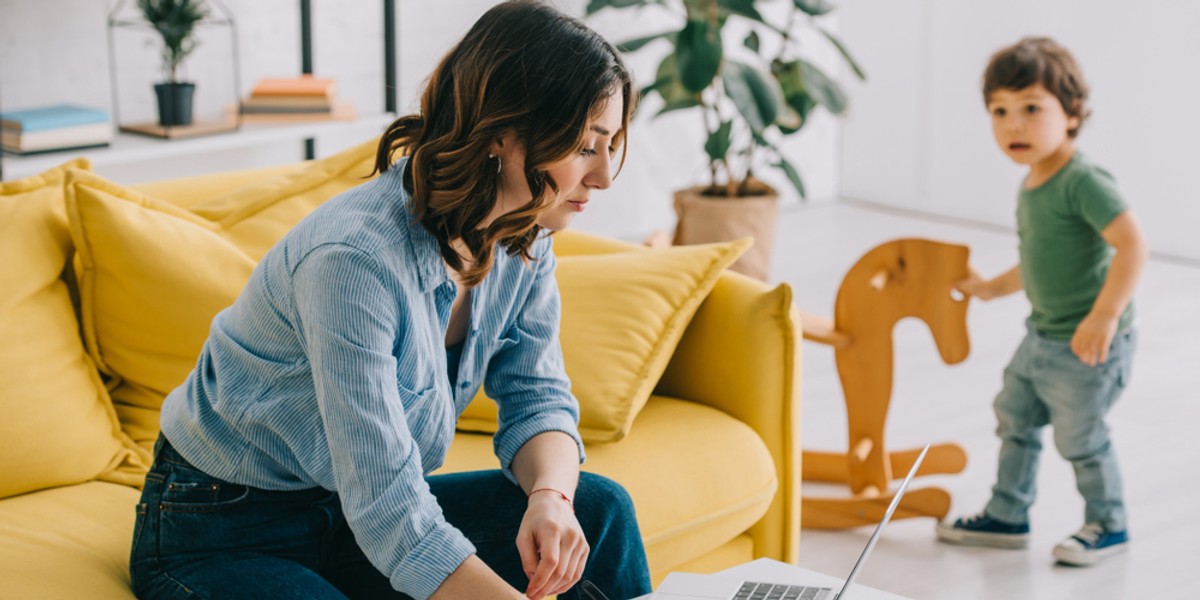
[753, 590]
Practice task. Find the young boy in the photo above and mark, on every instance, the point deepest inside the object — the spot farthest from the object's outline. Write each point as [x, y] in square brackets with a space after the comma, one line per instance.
[1075, 359]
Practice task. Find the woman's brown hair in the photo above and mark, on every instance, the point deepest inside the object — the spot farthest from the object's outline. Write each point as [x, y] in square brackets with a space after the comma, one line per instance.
[523, 67]
[1035, 60]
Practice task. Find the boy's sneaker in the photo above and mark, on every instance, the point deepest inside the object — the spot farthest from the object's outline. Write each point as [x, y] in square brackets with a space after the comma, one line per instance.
[1091, 545]
[982, 530]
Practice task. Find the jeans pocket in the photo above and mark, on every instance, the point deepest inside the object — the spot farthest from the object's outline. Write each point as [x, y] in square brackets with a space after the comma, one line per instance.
[190, 490]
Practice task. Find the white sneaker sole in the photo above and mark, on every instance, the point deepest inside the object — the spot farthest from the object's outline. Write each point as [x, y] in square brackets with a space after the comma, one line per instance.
[950, 534]
[1086, 558]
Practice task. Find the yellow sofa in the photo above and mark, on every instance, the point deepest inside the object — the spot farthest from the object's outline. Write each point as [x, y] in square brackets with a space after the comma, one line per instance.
[712, 459]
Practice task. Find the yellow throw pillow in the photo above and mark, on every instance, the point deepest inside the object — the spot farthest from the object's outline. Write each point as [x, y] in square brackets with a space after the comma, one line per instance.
[56, 421]
[622, 316]
[153, 275]
[151, 278]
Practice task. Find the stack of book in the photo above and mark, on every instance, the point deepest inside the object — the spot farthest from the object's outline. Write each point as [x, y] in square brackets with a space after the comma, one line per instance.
[54, 128]
[304, 98]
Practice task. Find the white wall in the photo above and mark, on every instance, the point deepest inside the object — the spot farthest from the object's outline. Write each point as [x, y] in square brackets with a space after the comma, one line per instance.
[919, 137]
[56, 51]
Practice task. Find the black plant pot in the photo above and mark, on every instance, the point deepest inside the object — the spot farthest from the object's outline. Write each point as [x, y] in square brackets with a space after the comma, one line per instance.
[174, 103]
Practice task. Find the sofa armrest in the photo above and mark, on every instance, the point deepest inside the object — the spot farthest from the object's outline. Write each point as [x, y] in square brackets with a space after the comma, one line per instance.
[741, 355]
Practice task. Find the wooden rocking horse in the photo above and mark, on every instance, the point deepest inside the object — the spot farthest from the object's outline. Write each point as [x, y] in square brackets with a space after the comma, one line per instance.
[901, 278]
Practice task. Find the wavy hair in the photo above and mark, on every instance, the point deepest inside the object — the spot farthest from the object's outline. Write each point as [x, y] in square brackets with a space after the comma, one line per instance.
[523, 67]
[1035, 60]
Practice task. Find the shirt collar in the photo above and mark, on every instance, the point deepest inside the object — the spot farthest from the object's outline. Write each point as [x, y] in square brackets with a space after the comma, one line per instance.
[422, 246]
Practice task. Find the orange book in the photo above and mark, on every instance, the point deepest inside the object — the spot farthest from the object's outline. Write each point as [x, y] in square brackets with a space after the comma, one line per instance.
[305, 85]
[342, 111]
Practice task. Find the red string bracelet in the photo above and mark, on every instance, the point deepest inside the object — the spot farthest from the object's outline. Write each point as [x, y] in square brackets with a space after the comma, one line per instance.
[565, 497]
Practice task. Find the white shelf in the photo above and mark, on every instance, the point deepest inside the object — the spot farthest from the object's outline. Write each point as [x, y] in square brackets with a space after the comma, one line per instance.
[129, 148]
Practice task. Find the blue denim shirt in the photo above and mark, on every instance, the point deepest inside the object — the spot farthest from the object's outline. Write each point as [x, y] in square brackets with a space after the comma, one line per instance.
[330, 370]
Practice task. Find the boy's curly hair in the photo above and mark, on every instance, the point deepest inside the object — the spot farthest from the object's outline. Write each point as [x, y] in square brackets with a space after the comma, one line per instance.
[1041, 60]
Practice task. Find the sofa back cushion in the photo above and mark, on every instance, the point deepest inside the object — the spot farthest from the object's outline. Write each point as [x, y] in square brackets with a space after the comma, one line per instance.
[56, 422]
[622, 316]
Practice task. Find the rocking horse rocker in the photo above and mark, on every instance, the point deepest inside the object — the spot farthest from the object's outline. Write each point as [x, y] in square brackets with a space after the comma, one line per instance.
[901, 278]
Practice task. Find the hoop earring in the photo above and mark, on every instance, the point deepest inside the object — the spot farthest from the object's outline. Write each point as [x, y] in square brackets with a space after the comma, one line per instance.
[498, 163]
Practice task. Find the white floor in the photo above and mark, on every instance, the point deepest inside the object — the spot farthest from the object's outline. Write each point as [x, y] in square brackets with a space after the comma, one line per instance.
[1153, 425]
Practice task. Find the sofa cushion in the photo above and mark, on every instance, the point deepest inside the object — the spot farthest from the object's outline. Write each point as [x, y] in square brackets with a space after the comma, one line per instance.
[68, 542]
[153, 275]
[256, 216]
[622, 316]
[698, 477]
[56, 422]
[190, 192]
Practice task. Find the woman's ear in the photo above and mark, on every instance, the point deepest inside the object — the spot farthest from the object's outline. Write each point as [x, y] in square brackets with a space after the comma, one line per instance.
[502, 143]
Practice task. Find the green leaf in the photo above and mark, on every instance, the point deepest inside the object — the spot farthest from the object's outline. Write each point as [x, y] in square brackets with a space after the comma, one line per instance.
[699, 50]
[637, 43]
[814, 8]
[756, 96]
[824, 90]
[792, 174]
[789, 120]
[799, 100]
[668, 85]
[718, 142]
[837, 43]
[752, 42]
[598, 5]
[743, 8]
[803, 103]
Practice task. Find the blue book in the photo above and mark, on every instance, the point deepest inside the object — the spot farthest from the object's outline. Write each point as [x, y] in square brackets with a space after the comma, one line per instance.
[51, 117]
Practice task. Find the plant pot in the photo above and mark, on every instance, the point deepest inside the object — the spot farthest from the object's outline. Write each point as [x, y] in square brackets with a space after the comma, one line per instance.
[174, 103]
[704, 219]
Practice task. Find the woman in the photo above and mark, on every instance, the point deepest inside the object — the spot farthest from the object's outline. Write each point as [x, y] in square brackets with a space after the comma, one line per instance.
[294, 460]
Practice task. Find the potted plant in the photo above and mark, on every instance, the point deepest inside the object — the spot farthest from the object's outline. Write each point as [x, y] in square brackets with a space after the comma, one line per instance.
[748, 107]
[175, 21]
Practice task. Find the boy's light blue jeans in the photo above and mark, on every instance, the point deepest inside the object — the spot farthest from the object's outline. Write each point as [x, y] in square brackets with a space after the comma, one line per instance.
[1045, 383]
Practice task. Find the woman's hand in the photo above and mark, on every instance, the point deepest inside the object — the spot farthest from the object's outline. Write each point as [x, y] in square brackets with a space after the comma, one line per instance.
[553, 549]
[1092, 338]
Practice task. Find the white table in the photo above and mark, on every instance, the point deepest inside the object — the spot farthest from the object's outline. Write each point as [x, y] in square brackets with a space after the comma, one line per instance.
[773, 571]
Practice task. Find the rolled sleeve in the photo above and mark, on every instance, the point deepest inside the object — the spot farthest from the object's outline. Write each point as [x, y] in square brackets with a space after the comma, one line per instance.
[527, 377]
[430, 562]
[352, 317]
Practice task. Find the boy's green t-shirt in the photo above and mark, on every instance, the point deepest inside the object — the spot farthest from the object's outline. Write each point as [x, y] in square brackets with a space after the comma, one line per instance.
[1064, 260]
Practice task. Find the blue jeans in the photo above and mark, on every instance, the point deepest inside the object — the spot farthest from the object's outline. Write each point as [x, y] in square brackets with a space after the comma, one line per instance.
[200, 537]
[1047, 384]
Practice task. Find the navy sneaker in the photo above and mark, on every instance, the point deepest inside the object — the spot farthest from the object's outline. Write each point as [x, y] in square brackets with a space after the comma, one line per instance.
[982, 530]
[1091, 545]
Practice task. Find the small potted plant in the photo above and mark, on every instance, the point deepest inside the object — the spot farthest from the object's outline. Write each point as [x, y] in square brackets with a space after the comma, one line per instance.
[175, 21]
[748, 107]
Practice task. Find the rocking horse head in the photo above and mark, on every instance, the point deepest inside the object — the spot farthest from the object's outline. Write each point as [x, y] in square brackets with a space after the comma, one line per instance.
[907, 278]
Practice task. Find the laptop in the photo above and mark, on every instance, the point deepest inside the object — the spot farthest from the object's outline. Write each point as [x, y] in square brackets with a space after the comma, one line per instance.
[689, 586]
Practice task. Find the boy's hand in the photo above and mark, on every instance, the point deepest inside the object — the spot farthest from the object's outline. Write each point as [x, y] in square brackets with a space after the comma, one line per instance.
[975, 285]
[1093, 337]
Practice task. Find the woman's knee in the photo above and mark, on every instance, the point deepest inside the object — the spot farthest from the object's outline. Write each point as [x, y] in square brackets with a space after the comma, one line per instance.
[600, 498]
